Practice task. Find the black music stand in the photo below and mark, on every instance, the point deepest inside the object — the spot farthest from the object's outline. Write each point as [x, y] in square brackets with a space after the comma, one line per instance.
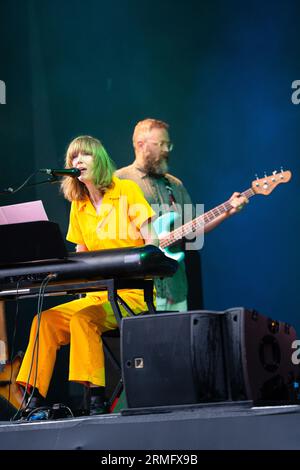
[31, 241]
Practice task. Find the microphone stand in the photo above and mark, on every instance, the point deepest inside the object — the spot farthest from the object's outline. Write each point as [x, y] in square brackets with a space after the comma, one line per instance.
[10, 190]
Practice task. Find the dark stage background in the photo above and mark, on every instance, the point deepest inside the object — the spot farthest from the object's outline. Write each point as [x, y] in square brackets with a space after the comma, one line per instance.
[219, 72]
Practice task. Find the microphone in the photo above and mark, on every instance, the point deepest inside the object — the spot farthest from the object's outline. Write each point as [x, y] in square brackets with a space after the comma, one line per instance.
[73, 172]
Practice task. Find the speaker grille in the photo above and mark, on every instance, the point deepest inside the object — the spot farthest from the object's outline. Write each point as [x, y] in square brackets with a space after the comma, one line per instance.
[260, 356]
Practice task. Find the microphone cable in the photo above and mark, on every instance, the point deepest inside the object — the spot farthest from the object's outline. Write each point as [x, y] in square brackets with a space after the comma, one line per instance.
[14, 191]
[53, 179]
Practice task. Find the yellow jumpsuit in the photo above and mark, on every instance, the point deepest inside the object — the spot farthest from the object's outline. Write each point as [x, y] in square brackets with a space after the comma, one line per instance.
[80, 322]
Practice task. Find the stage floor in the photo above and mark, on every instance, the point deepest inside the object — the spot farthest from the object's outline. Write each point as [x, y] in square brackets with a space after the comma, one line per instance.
[221, 426]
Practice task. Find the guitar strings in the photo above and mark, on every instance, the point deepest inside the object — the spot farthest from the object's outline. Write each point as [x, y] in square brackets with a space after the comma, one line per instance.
[198, 223]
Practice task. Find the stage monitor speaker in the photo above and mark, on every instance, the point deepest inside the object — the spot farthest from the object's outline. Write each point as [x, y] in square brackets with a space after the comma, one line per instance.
[259, 356]
[185, 358]
[173, 359]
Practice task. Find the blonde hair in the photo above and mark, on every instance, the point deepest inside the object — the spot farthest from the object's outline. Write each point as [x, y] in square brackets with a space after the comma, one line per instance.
[142, 129]
[103, 167]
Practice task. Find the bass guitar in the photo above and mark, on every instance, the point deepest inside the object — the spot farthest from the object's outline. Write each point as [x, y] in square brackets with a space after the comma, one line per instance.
[169, 238]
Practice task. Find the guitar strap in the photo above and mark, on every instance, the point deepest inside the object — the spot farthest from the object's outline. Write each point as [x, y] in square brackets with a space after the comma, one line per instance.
[172, 200]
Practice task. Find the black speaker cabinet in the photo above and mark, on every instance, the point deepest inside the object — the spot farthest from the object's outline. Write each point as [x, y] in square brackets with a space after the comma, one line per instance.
[193, 357]
[259, 356]
[173, 359]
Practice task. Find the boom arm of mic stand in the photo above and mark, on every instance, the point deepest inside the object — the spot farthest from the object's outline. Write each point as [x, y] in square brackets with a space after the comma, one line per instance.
[52, 179]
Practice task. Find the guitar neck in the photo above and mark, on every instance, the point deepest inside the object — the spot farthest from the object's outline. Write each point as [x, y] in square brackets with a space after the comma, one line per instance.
[200, 222]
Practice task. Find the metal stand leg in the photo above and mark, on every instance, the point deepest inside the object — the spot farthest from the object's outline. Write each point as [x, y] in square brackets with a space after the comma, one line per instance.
[148, 296]
[113, 299]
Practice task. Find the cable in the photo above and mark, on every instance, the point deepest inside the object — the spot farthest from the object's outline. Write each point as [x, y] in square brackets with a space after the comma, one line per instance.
[14, 191]
[46, 412]
[43, 286]
[10, 190]
[41, 293]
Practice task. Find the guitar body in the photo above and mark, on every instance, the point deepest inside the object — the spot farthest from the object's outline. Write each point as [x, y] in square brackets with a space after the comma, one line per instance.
[162, 226]
[9, 389]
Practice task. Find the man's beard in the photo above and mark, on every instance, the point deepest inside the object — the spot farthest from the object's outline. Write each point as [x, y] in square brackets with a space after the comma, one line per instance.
[156, 167]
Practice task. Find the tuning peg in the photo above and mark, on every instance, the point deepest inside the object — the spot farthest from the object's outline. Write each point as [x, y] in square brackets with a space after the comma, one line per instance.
[274, 174]
[281, 169]
[265, 182]
[256, 176]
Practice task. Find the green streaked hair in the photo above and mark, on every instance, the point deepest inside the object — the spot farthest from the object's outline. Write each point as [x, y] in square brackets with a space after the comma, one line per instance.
[102, 171]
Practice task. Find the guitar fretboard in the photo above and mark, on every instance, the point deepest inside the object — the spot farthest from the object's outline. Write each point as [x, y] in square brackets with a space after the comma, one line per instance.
[200, 222]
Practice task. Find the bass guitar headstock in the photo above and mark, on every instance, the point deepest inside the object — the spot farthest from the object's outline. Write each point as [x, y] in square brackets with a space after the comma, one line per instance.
[267, 184]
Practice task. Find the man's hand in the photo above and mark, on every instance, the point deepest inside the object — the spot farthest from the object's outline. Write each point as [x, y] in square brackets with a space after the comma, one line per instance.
[237, 202]
[149, 234]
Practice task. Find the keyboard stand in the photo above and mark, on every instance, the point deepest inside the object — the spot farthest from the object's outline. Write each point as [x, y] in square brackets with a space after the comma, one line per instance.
[112, 286]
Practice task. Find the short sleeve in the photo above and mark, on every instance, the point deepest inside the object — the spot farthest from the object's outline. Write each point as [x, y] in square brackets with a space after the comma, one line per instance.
[139, 210]
[74, 234]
